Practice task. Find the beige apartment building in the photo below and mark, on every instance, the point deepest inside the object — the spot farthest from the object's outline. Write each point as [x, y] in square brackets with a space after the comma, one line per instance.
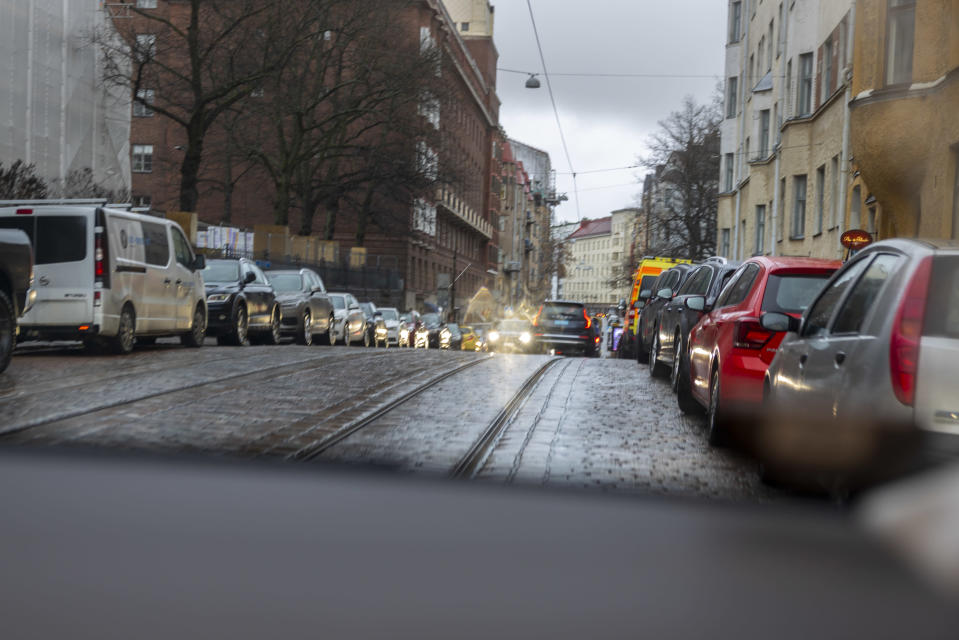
[785, 170]
[596, 252]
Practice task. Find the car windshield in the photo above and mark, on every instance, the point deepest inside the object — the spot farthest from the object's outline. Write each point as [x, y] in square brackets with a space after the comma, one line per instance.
[339, 302]
[512, 326]
[792, 293]
[221, 271]
[431, 319]
[556, 311]
[286, 282]
[389, 314]
[367, 308]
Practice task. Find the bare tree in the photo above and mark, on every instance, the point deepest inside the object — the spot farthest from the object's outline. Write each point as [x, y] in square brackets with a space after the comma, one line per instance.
[191, 61]
[680, 201]
[20, 182]
[81, 183]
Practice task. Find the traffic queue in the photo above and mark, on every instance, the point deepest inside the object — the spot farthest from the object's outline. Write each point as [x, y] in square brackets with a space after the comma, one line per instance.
[834, 374]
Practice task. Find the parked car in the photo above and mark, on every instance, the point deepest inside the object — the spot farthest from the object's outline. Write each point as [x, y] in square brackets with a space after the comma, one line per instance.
[109, 276]
[391, 320]
[16, 288]
[729, 350]
[668, 353]
[350, 323]
[242, 302]
[427, 334]
[867, 373]
[642, 288]
[451, 337]
[564, 326]
[471, 339]
[305, 307]
[369, 330]
[407, 328]
[513, 335]
[664, 290]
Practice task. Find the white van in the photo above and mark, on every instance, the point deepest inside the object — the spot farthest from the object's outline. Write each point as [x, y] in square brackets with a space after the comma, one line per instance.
[108, 275]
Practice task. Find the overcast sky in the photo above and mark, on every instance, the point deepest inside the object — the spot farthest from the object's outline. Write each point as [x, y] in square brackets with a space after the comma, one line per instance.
[606, 120]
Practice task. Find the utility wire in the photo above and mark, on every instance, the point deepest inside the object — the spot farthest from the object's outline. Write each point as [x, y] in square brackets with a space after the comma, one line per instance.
[552, 99]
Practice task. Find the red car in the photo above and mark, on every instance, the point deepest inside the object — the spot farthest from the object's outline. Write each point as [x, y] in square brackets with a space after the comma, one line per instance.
[729, 351]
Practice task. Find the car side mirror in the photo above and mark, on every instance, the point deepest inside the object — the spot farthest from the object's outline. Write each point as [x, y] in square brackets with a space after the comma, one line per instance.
[199, 262]
[249, 277]
[645, 294]
[664, 293]
[779, 322]
[696, 303]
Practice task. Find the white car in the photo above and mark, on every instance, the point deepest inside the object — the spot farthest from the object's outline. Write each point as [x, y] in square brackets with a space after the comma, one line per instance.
[391, 317]
[109, 276]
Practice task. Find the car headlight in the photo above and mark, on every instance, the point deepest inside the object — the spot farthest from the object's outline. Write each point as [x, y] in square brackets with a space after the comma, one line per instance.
[525, 337]
[405, 333]
[218, 297]
[493, 336]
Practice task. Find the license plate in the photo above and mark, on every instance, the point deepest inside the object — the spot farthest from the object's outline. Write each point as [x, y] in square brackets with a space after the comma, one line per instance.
[562, 323]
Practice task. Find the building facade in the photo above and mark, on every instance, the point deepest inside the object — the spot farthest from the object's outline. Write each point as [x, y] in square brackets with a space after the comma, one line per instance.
[596, 252]
[905, 117]
[785, 171]
[57, 113]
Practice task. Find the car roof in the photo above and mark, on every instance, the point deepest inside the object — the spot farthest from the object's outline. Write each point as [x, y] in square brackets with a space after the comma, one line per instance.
[776, 263]
[915, 245]
[286, 272]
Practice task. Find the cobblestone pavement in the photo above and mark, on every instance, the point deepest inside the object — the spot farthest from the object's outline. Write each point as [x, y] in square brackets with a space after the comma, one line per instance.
[587, 423]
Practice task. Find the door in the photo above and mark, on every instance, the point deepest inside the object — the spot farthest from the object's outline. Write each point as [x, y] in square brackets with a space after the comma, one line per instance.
[259, 296]
[320, 307]
[156, 312]
[185, 280]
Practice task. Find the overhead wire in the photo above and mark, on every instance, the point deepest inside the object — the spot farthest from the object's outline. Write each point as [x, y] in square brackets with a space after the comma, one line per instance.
[552, 100]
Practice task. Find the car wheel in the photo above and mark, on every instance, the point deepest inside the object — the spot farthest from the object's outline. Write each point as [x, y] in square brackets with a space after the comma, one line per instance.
[241, 325]
[366, 338]
[272, 337]
[123, 342]
[197, 334]
[346, 333]
[8, 324]
[715, 428]
[331, 332]
[684, 396]
[656, 368]
[305, 337]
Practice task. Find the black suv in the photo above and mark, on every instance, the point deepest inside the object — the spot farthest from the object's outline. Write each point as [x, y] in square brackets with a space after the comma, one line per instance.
[241, 302]
[565, 327]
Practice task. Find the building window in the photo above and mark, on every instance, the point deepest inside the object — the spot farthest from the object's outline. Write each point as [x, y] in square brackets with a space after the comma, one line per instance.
[724, 242]
[900, 33]
[789, 89]
[465, 26]
[820, 198]
[855, 213]
[782, 210]
[732, 93]
[836, 192]
[146, 47]
[760, 228]
[769, 51]
[805, 84]
[764, 133]
[735, 21]
[827, 70]
[760, 54]
[799, 207]
[142, 201]
[751, 77]
[142, 158]
[730, 159]
[141, 106]
[782, 29]
[146, 4]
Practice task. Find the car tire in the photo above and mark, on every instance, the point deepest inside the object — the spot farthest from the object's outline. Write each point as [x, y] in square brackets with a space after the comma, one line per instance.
[122, 343]
[305, 335]
[239, 333]
[8, 327]
[679, 376]
[272, 337]
[656, 368]
[330, 336]
[194, 339]
[715, 427]
[346, 334]
[366, 338]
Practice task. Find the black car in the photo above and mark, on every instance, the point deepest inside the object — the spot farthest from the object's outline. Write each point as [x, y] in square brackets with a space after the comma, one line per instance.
[565, 327]
[16, 287]
[241, 303]
[427, 334]
[451, 337]
[676, 319]
[305, 306]
[664, 289]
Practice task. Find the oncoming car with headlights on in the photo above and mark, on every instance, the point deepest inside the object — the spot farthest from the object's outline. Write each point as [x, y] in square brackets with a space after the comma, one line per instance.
[511, 336]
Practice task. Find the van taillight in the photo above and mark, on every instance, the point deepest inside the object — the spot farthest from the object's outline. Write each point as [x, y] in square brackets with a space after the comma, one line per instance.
[589, 322]
[98, 257]
[906, 332]
[24, 212]
[751, 335]
[97, 299]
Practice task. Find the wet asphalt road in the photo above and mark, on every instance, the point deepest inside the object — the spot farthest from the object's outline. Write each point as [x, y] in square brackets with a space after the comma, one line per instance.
[590, 423]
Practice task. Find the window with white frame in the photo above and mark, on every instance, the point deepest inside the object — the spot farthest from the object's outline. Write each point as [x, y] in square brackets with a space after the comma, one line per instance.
[763, 151]
[142, 161]
[820, 198]
[827, 69]
[146, 4]
[900, 35]
[760, 228]
[427, 161]
[141, 106]
[735, 21]
[429, 108]
[424, 217]
[730, 172]
[799, 207]
[732, 93]
[781, 211]
[724, 242]
[805, 84]
[146, 47]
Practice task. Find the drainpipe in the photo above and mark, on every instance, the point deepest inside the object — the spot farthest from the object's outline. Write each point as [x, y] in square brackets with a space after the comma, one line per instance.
[844, 159]
[743, 158]
[775, 212]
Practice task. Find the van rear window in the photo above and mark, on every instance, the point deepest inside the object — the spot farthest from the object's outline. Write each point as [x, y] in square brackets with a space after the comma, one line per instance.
[60, 239]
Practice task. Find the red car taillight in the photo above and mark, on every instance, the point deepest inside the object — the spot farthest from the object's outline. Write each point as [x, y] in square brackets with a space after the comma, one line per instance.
[589, 322]
[904, 341]
[98, 256]
[751, 335]
[538, 314]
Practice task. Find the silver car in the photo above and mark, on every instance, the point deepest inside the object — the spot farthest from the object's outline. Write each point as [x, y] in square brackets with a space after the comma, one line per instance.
[867, 377]
[349, 321]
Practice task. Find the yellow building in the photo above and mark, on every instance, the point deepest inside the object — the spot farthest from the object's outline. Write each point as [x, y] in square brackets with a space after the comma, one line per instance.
[905, 116]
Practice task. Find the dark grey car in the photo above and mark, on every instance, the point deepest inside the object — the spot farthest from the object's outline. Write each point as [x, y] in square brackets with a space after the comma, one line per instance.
[664, 290]
[870, 370]
[307, 310]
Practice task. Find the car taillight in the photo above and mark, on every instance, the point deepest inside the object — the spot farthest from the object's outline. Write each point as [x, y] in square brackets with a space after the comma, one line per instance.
[538, 314]
[751, 335]
[586, 317]
[98, 257]
[904, 341]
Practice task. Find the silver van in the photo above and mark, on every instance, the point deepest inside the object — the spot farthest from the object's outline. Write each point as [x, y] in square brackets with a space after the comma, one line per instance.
[109, 276]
